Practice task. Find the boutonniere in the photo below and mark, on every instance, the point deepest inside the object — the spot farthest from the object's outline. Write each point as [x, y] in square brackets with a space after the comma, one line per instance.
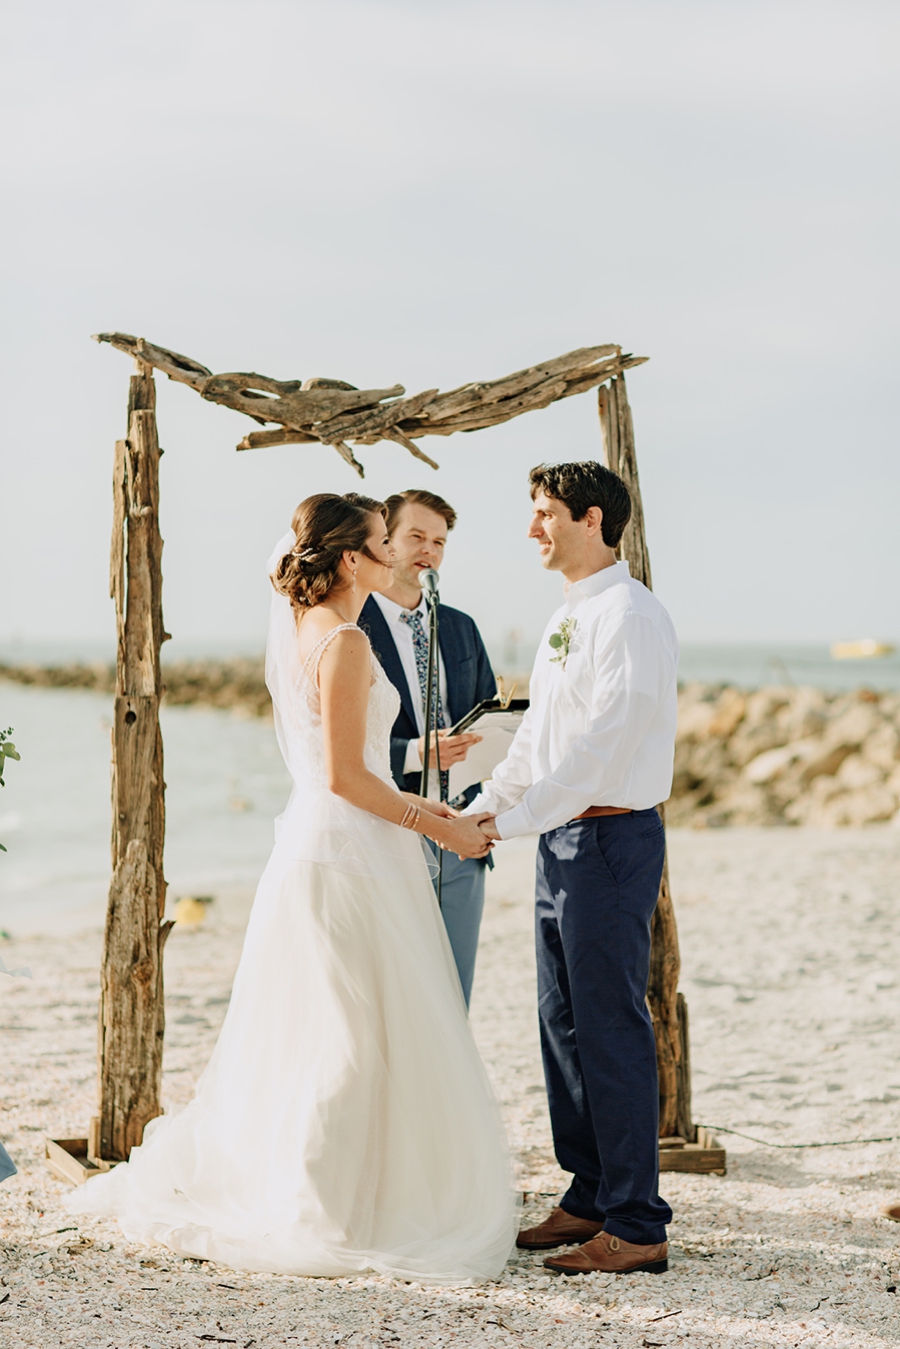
[561, 640]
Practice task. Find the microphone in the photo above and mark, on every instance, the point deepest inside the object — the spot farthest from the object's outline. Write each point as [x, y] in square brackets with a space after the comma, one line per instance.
[429, 582]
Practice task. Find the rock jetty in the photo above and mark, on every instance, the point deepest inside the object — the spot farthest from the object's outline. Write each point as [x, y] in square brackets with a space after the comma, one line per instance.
[238, 685]
[785, 756]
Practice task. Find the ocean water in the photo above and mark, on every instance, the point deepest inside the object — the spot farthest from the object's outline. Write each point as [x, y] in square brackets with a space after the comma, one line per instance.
[758, 663]
[226, 783]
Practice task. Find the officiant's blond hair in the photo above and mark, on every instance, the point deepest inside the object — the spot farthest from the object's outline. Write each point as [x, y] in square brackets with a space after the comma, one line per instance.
[417, 496]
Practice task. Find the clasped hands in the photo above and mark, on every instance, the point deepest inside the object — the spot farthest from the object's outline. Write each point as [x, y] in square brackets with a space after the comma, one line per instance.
[468, 835]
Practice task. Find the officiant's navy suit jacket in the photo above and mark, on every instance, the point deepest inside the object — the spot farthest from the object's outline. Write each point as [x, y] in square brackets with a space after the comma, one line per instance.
[470, 679]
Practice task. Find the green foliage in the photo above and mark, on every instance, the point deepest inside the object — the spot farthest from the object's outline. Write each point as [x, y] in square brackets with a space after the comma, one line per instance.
[7, 751]
[561, 640]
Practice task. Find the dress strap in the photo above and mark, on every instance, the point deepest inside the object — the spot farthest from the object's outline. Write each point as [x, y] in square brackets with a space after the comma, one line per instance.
[311, 664]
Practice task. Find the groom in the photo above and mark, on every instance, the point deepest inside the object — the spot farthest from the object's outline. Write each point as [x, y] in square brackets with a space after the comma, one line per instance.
[592, 759]
[418, 523]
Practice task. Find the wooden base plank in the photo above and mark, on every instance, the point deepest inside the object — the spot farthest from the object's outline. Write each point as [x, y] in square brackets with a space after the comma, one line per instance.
[68, 1159]
[705, 1157]
[704, 1161]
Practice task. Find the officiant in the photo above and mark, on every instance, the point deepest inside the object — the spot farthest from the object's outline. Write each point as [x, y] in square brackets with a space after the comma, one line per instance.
[396, 621]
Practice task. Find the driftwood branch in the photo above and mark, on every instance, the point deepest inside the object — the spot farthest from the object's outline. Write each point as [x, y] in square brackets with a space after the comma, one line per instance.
[667, 1006]
[131, 1018]
[332, 412]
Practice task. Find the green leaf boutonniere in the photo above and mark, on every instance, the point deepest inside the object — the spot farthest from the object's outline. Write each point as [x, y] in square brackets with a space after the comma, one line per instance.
[561, 640]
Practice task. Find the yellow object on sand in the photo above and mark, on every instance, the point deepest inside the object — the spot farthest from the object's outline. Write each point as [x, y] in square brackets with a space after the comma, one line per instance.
[190, 910]
[865, 649]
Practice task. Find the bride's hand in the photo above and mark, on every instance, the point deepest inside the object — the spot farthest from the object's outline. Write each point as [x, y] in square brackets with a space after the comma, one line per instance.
[437, 808]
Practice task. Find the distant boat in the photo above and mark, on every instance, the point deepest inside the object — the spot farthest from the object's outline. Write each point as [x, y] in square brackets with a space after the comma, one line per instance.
[865, 649]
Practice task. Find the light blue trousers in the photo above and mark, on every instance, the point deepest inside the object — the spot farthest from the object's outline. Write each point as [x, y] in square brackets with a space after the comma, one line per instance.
[462, 904]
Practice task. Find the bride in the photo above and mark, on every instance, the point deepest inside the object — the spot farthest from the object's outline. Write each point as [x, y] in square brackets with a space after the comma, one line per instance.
[344, 1122]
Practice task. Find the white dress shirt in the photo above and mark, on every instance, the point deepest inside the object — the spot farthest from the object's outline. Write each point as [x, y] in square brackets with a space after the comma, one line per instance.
[600, 730]
[402, 635]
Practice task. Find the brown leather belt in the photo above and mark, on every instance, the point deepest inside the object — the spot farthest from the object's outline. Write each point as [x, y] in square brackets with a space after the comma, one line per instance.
[603, 810]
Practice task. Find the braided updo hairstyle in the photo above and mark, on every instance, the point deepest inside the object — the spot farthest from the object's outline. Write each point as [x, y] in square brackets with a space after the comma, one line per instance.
[325, 526]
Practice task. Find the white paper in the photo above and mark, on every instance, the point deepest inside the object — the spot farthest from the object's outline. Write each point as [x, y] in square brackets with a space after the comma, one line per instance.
[497, 730]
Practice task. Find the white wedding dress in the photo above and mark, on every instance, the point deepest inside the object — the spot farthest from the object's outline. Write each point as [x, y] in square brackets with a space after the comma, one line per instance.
[345, 1121]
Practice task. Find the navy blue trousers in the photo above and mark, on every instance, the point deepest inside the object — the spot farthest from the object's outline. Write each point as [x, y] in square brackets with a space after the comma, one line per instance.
[597, 885]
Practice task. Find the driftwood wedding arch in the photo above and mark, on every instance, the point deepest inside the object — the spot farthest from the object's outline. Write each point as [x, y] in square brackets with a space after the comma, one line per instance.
[315, 411]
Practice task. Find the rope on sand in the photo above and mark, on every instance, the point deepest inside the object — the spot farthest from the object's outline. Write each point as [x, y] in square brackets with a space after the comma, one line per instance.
[839, 1143]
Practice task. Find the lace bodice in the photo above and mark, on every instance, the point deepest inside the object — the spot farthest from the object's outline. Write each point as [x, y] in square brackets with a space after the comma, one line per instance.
[298, 712]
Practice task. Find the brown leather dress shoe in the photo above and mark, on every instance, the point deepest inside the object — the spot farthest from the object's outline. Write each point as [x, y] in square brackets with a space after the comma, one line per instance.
[612, 1255]
[560, 1229]
[892, 1211]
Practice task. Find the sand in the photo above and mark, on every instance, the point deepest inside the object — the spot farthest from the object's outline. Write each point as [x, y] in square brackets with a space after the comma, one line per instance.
[790, 956]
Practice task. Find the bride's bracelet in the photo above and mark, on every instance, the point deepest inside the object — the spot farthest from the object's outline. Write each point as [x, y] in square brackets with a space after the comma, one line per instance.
[410, 817]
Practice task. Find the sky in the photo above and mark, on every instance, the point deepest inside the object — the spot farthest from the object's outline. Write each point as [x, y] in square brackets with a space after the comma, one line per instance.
[427, 193]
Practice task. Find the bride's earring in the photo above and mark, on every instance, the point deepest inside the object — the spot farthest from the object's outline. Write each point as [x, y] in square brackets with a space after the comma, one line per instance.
[353, 583]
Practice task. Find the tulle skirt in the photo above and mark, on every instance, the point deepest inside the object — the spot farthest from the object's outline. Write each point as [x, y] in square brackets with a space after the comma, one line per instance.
[344, 1122]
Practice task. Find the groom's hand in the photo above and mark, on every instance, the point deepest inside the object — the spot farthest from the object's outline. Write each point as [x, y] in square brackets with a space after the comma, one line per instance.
[488, 828]
[454, 748]
[466, 839]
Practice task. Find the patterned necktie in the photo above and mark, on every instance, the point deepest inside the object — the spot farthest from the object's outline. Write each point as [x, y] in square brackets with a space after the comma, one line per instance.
[420, 647]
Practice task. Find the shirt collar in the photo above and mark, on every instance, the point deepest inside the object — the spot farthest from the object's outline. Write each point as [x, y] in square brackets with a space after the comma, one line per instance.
[392, 610]
[596, 583]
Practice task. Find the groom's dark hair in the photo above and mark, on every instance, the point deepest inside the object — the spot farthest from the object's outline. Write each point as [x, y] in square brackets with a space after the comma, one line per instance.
[580, 486]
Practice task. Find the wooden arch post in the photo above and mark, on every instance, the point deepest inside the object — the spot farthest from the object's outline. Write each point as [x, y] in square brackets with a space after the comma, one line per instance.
[667, 1006]
[132, 1016]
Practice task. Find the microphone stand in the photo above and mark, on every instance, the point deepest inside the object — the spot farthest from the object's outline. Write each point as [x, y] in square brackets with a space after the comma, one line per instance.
[432, 696]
